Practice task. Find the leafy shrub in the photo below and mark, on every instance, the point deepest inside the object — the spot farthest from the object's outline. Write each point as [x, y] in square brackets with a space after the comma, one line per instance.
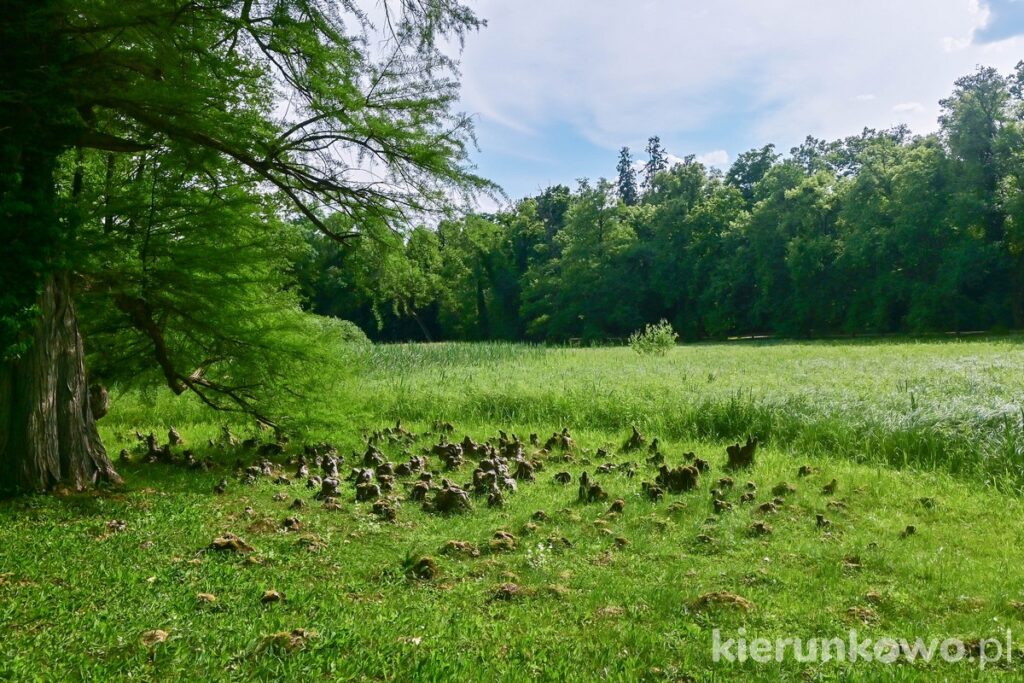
[654, 340]
[345, 331]
[351, 333]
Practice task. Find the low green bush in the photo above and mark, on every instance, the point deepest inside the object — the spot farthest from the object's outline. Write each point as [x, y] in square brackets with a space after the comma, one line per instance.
[654, 340]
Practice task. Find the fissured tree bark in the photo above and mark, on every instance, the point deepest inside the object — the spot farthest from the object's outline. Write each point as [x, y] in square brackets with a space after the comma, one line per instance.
[48, 435]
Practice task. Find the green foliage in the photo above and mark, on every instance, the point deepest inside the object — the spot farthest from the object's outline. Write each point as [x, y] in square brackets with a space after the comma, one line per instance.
[346, 330]
[881, 232]
[160, 151]
[193, 291]
[654, 340]
[657, 161]
[628, 192]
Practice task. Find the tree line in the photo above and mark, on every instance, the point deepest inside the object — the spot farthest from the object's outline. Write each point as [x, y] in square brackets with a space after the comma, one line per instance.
[881, 232]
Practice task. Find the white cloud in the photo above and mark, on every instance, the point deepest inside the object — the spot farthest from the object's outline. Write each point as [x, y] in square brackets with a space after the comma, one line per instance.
[718, 158]
[723, 74]
[674, 160]
[908, 106]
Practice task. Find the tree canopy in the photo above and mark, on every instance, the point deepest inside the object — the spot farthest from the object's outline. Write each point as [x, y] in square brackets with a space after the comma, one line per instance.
[156, 157]
[879, 232]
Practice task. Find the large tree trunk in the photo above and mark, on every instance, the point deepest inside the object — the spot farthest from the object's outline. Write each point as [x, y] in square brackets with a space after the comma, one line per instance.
[48, 434]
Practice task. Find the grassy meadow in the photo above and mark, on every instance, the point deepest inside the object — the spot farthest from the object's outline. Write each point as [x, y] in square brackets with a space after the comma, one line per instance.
[925, 434]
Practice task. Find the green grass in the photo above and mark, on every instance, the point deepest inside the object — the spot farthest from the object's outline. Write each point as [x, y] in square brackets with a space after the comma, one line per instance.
[893, 422]
[949, 404]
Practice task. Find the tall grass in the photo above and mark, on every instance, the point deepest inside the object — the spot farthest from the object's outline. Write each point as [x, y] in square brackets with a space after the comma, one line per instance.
[945, 404]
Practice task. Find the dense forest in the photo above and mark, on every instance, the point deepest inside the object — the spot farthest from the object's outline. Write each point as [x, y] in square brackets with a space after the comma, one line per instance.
[880, 232]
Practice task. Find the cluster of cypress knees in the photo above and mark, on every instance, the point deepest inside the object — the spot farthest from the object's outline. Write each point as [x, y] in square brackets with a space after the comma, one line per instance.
[502, 463]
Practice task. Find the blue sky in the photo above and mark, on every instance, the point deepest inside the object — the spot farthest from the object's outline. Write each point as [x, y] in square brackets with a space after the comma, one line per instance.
[558, 86]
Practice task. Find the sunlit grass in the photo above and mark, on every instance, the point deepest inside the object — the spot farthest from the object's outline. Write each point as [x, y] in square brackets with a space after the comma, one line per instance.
[76, 599]
[953, 405]
[937, 404]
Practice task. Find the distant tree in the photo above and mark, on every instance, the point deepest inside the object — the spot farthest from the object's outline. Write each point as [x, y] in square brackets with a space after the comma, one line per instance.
[971, 120]
[1011, 191]
[750, 167]
[587, 291]
[814, 155]
[552, 204]
[479, 297]
[657, 161]
[627, 188]
[1016, 84]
